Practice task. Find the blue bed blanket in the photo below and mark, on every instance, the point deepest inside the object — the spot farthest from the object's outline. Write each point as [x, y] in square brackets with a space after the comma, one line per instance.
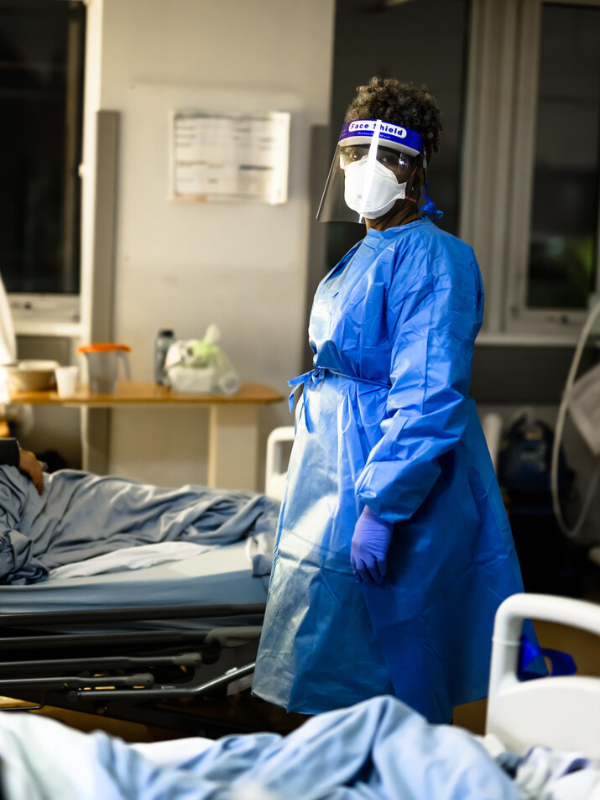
[81, 516]
[378, 750]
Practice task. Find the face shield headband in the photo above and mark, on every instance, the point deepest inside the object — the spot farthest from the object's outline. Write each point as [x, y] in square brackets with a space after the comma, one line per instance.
[372, 168]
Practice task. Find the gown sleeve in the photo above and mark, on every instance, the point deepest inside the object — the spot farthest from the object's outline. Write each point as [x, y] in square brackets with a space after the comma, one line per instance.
[432, 325]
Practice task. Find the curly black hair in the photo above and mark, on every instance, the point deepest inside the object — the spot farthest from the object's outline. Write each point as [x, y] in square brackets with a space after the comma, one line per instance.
[401, 104]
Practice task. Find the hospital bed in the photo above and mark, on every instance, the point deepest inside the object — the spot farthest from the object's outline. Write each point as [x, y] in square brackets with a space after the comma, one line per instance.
[122, 644]
[125, 643]
[380, 748]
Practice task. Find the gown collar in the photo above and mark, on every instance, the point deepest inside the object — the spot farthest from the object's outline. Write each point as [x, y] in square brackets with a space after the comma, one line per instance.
[391, 233]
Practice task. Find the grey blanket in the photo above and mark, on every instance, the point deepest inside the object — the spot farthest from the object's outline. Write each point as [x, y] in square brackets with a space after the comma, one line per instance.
[81, 516]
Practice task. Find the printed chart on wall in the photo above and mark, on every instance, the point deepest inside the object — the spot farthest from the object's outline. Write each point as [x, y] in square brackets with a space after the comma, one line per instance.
[221, 158]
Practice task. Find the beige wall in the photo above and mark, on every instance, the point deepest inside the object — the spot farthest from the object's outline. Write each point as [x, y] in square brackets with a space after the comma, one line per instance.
[184, 266]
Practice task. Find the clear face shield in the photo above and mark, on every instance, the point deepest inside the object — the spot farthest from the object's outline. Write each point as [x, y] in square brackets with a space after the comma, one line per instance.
[373, 167]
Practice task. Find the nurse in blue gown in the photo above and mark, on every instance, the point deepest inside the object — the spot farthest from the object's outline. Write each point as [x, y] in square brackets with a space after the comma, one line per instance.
[393, 549]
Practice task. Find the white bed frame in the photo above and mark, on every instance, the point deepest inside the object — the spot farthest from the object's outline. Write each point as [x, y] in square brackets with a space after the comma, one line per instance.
[562, 713]
[276, 469]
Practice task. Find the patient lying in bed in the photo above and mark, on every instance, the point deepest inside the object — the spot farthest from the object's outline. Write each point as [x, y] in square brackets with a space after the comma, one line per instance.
[84, 517]
[379, 749]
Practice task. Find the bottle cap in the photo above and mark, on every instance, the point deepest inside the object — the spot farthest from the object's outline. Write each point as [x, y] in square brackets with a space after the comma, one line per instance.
[166, 332]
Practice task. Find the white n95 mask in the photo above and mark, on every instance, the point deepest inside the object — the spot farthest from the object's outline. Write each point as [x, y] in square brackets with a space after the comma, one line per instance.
[373, 163]
[371, 189]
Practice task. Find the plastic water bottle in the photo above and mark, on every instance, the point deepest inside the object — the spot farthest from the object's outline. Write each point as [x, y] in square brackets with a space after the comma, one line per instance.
[163, 341]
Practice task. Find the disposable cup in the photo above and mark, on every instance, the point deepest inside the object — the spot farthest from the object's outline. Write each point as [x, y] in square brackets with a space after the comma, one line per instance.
[66, 380]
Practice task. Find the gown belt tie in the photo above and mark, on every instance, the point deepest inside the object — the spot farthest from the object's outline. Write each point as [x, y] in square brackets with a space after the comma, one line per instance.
[315, 376]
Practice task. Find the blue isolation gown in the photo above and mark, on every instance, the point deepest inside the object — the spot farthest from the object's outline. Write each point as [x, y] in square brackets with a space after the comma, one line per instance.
[386, 421]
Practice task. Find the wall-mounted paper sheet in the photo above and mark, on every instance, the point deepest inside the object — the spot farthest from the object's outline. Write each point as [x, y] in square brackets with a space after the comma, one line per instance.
[218, 158]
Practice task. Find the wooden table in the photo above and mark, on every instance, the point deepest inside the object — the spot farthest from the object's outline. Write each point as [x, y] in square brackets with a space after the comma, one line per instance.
[233, 421]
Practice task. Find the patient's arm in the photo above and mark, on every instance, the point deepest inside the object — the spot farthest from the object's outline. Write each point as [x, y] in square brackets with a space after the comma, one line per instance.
[29, 464]
[12, 456]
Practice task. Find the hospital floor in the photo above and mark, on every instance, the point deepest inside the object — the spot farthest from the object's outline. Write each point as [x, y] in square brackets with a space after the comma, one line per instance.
[583, 646]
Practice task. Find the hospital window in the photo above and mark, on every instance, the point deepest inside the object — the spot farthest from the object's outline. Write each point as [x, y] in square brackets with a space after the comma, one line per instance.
[563, 246]
[41, 98]
[546, 218]
[518, 174]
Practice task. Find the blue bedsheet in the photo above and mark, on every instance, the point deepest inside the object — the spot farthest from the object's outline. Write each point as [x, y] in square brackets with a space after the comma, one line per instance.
[378, 750]
[81, 516]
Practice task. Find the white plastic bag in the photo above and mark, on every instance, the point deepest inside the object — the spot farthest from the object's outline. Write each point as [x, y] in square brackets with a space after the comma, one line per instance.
[200, 365]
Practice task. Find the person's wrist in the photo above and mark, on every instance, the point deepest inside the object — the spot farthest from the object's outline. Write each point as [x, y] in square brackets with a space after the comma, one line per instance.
[367, 513]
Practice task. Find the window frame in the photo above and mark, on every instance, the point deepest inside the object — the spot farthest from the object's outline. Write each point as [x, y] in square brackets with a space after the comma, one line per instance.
[36, 313]
[497, 176]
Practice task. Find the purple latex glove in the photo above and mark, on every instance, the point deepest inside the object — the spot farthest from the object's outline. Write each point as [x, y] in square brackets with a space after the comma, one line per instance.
[369, 548]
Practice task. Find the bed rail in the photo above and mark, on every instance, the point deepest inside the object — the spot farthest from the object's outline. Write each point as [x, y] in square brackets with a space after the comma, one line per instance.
[558, 712]
[187, 691]
[106, 662]
[99, 660]
[78, 640]
[135, 614]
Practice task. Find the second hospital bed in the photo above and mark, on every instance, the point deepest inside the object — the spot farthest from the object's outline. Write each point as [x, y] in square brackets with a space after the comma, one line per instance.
[122, 644]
